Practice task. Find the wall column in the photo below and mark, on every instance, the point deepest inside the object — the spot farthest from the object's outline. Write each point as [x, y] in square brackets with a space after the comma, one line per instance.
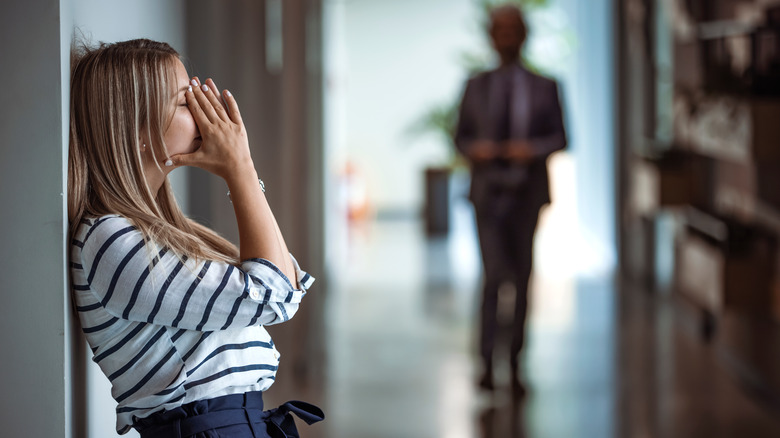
[35, 315]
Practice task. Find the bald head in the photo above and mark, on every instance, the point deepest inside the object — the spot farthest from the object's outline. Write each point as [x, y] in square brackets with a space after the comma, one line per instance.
[508, 32]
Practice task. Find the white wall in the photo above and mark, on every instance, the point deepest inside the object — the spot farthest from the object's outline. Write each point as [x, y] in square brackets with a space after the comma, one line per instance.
[590, 92]
[398, 59]
[33, 314]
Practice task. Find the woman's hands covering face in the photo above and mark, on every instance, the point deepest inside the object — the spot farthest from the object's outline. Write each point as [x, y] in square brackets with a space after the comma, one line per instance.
[224, 149]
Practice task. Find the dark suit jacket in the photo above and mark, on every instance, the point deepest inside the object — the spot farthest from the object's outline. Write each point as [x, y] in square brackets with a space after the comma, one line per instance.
[537, 117]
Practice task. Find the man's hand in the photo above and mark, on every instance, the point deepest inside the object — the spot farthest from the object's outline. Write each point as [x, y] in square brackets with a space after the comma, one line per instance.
[519, 151]
[481, 151]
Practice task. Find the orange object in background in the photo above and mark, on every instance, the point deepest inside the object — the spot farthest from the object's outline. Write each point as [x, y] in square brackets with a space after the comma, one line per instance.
[354, 193]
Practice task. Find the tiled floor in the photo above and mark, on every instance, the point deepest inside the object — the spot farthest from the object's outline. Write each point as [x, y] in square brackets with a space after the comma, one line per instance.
[602, 360]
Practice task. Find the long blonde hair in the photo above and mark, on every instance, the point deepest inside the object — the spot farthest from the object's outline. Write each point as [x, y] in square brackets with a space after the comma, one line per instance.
[119, 92]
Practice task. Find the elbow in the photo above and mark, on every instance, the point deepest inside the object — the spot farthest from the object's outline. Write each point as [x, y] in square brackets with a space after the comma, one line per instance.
[282, 312]
[558, 142]
[562, 143]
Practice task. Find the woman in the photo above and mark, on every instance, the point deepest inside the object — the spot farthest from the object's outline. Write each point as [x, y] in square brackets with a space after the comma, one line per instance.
[173, 312]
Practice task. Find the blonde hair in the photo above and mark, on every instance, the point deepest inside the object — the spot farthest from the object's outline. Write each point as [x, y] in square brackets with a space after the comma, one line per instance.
[118, 93]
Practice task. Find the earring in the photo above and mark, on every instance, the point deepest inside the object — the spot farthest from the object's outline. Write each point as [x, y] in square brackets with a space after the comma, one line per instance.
[144, 146]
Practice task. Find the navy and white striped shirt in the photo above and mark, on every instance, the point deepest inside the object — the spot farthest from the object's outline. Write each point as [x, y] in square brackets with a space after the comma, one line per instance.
[169, 331]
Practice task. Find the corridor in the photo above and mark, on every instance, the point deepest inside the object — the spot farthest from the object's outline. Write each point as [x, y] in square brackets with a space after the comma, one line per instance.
[602, 360]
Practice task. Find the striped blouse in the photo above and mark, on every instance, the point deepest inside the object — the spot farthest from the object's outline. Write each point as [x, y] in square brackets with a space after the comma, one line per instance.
[169, 331]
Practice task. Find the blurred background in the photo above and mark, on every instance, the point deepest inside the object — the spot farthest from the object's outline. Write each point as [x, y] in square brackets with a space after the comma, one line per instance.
[655, 297]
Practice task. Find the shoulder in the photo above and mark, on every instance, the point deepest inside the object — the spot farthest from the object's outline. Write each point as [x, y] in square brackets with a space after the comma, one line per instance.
[541, 80]
[477, 83]
[479, 77]
[95, 231]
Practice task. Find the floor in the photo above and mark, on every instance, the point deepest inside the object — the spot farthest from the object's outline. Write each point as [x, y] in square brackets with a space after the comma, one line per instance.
[603, 358]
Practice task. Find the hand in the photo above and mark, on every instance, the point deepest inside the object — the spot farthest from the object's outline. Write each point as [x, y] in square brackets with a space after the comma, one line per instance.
[481, 151]
[212, 86]
[224, 149]
[518, 151]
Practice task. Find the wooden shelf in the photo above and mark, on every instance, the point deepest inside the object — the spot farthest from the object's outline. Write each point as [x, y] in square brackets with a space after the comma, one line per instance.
[724, 29]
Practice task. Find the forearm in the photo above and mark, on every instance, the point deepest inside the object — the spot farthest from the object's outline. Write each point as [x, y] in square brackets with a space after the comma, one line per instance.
[287, 265]
[259, 235]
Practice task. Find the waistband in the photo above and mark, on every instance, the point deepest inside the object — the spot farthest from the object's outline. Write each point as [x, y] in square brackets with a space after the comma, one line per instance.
[229, 410]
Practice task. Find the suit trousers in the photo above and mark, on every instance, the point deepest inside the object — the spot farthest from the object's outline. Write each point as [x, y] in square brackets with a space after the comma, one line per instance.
[506, 225]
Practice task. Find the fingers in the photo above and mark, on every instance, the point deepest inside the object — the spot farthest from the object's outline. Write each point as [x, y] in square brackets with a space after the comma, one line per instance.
[195, 108]
[482, 150]
[206, 106]
[213, 88]
[210, 105]
[191, 159]
[234, 113]
[211, 94]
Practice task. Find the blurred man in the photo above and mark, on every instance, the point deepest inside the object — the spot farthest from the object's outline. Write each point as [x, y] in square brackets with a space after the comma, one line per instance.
[510, 121]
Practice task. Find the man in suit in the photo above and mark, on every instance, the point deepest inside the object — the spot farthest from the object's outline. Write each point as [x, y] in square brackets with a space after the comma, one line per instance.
[510, 121]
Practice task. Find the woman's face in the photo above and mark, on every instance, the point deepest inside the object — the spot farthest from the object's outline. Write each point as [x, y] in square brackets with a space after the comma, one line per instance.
[182, 135]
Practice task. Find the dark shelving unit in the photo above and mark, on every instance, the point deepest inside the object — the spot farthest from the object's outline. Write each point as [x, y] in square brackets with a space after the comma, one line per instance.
[701, 119]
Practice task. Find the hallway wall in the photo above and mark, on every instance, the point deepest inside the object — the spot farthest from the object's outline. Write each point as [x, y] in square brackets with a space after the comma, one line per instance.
[590, 91]
[399, 60]
[34, 317]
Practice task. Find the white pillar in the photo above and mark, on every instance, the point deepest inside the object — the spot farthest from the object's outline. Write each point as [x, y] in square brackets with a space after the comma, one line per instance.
[35, 313]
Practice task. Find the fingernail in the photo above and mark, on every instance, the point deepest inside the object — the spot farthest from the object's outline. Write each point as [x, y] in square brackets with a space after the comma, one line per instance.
[194, 83]
[189, 88]
[169, 163]
[205, 87]
[228, 93]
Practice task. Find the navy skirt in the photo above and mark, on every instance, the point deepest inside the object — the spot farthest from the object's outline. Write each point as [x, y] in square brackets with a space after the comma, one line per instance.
[233, 416]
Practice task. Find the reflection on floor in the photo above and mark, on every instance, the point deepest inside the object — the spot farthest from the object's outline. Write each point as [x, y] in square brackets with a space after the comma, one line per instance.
[601, 360]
